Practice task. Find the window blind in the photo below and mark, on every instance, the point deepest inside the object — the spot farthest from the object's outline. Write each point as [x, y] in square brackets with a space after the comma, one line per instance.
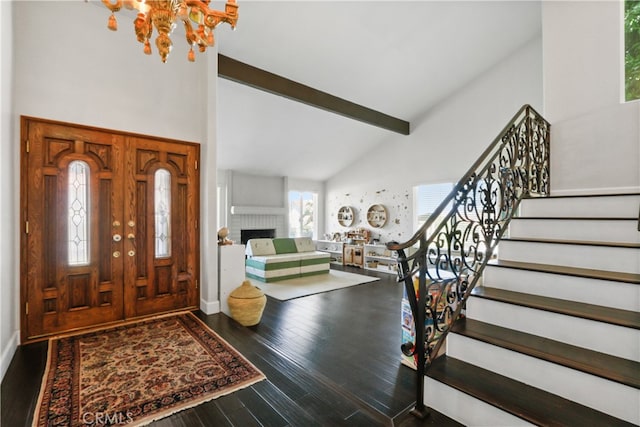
[429, 197]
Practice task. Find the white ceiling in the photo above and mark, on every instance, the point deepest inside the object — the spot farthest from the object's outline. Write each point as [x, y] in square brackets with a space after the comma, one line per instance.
[399, 58]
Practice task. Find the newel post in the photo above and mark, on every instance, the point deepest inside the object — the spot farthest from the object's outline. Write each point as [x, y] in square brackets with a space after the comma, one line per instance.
[417, 301]
[420, 409]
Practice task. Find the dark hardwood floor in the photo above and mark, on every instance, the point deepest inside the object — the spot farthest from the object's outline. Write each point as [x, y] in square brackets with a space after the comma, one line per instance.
[330, 359]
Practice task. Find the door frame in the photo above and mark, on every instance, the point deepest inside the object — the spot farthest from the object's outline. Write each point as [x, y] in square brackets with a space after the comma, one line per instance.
[24, 219]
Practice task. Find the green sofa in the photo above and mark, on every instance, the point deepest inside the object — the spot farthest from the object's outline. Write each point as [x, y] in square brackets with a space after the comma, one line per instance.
[270, 260]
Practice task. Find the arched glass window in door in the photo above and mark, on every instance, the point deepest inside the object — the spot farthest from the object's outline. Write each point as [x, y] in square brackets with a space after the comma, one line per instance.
[78, 213]
[162, 213]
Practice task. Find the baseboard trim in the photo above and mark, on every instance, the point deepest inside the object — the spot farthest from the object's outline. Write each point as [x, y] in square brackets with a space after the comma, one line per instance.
[8, 352]
[598, 191]
[209, 307]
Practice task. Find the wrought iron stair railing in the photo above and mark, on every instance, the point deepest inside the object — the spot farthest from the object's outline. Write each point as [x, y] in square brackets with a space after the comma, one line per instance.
[460, 237]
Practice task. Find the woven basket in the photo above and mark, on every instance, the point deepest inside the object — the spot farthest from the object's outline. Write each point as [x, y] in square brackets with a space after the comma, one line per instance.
[246, 303]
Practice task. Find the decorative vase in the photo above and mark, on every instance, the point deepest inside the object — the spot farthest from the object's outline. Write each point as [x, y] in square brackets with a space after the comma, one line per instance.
[246, 304]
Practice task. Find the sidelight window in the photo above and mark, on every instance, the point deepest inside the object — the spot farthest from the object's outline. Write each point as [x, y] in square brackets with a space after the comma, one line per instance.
[162, 213]
[78, 213]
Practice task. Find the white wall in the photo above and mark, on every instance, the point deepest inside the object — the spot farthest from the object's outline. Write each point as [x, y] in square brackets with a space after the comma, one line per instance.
[10, 248]
[69, 67]
[595, 137]
[257, 190]
[397, 200]
[444, 143]
[208, 123]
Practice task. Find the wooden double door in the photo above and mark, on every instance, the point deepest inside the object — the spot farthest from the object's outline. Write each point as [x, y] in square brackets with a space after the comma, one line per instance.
[110, 226]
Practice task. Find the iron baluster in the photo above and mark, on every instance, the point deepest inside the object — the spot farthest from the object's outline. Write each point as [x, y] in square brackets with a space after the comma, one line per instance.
[459, 238]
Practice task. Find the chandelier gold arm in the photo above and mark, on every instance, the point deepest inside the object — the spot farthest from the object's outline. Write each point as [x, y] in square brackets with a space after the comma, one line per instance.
[163, 14]
[113, 6]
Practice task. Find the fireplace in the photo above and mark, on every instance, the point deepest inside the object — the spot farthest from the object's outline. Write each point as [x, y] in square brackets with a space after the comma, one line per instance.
[256, 233]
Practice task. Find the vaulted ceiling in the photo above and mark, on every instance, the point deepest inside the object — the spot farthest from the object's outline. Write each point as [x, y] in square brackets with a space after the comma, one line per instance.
[399, 58]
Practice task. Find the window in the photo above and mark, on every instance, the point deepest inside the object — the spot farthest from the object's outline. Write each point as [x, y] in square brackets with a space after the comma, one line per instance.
[632, 49]
[78, 213]
[162, 213]
[303, 208]
[427, 199]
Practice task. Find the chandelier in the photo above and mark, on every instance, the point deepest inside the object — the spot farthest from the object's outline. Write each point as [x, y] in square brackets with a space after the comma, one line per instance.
[163, 14]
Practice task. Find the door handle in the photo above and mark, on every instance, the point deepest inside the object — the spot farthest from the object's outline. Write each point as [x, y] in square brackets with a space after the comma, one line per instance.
[117, 237]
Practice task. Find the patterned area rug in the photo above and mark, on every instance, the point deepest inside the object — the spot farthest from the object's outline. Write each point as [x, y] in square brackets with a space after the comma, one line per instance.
[139, 372]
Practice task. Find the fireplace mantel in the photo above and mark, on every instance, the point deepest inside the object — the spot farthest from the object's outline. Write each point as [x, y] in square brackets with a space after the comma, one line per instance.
[257, 210]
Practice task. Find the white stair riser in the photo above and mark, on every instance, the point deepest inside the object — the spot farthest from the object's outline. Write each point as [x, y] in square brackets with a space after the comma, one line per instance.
[608, 258]
[624, 296]
[623, 231]
[584, 207]
[613, 398]
[606, 338]
[464, 408]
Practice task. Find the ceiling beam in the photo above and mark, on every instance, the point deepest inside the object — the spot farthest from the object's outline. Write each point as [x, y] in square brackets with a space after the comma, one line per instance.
[231, 69]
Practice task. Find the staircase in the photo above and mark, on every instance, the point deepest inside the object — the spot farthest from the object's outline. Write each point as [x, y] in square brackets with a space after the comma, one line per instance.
[551, 336]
